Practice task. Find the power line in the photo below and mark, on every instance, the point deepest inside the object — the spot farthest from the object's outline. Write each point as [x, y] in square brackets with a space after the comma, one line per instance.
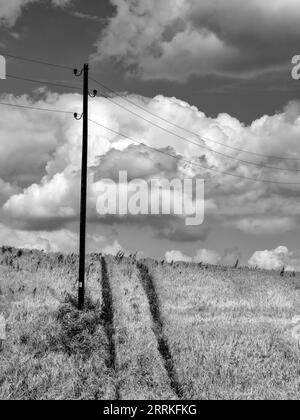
[192, 132]
[43, 82]
[260, 165]
[31, 60]
[196, 144]
[145, 119]
[190, 162]
[204, 139]
[36, 108]
[153, 148]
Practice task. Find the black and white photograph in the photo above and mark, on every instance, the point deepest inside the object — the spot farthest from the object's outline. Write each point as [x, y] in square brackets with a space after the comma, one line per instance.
[149, 203]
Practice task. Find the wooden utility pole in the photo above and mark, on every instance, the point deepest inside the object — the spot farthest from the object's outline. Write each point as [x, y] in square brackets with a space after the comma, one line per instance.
[81, 285]
[84, 173]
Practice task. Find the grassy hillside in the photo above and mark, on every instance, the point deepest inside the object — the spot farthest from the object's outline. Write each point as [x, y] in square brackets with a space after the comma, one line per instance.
[149, 330]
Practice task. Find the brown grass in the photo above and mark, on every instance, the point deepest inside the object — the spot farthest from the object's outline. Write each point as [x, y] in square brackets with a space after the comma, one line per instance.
[139, 366]
[229, 332]
[186, 331]
[52, 351]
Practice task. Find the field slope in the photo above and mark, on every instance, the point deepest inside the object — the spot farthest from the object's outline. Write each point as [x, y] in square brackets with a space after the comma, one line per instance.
[149, 330]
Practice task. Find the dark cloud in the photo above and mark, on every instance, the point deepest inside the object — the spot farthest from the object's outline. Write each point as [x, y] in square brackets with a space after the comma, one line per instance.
[33, 224]
[271, 41]
[199, 38]
[168, 227]
[138, 161]
[176, 232]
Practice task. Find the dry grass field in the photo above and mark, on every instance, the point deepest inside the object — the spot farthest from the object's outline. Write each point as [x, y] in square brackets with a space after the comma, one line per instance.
[149, 330]
[229, 331]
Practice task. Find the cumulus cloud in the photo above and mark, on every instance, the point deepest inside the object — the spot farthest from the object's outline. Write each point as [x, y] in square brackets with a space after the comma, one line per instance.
[147, 164]
[259, 226]
[52, 198]
[6, 191]
[177, 39]
[276, 259]
[177, 256]
[40, 244]
[32, 140]
[205, 256]
[61, 3]
[112, 249]
[40, 163]
[61, 240]
[11, 10]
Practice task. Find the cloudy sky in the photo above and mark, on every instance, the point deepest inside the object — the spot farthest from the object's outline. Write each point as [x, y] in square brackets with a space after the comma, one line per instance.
[218, 70]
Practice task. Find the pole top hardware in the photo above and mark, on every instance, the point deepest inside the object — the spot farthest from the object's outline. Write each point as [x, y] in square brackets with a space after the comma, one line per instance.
[77, 72]
[77, 116]
[93, 94]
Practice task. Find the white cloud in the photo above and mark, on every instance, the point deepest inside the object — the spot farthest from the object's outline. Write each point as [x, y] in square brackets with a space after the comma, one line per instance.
[177, 39]
[52, 198]
[205, 256]
[62, 240]
[276, 259]
[136, 35]
[40, 160]
[6, 191]
[208, 256]
[32, 140]
[61, 3]
[260, 226]
[177, 256]
[40, 244]
[112, 249]
[10, 10]
[147, 163]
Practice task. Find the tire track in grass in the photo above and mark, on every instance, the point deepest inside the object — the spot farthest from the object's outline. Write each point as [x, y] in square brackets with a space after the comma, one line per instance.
[139, 366]
[163, 346]
[108, 317]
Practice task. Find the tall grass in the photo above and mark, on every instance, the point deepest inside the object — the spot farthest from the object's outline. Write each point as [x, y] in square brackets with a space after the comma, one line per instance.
[229, 332]
[139, 366]
[169, 331]
[52, 351]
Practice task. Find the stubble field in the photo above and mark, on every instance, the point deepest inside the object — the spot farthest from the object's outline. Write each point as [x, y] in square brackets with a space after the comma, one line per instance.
[149, 330]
